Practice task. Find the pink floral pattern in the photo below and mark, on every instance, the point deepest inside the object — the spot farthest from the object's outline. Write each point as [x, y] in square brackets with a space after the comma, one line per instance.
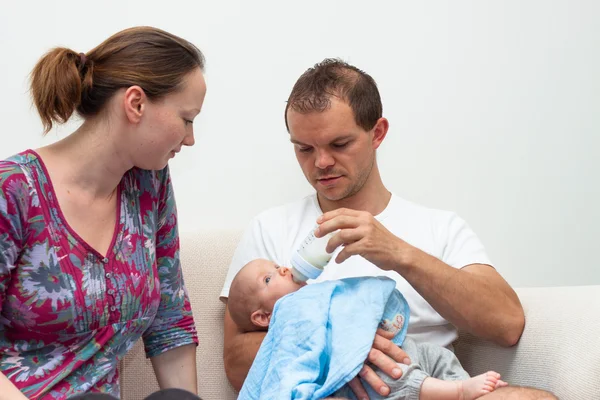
[69, 314]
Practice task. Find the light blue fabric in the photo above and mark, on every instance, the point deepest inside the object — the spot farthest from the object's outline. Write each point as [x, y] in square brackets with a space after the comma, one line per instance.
[320, 336]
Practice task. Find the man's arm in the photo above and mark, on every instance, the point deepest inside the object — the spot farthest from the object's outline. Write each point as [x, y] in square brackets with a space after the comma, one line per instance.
[475, 298]
[239, 351]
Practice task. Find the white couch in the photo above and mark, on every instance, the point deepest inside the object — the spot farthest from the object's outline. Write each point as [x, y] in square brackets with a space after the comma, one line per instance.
[559, 350]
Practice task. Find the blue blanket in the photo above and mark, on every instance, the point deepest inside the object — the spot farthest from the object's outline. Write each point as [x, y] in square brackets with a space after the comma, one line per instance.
[320, 336]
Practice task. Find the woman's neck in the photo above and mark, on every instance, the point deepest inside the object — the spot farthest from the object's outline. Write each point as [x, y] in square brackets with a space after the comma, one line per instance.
[88, 160]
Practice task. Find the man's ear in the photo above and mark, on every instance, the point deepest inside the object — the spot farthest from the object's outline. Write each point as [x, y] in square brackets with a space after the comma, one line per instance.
[134, 102]
[261, 318]
[380, 131]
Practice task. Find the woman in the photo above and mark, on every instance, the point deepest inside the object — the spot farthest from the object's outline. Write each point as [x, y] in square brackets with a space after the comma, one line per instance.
[89, 247]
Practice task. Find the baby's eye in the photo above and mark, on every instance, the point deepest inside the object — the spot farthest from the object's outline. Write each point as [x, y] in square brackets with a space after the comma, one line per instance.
[267, 279]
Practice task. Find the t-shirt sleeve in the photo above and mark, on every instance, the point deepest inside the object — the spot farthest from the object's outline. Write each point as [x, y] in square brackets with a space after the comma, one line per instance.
[461, 246]
[256, 243]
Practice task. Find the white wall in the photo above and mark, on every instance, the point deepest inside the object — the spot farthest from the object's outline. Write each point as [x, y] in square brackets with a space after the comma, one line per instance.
[494, 108]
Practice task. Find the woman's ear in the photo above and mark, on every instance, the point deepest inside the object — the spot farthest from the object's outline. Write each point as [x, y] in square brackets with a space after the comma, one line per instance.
[134, 102]
[261, 318]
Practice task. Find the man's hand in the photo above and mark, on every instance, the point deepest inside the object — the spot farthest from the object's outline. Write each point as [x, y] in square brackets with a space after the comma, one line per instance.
[472, 297]
[361, 234]
[384, 355]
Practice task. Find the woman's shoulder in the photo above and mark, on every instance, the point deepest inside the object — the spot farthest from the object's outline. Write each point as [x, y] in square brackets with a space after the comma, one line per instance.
[148, 182]
[13, 169]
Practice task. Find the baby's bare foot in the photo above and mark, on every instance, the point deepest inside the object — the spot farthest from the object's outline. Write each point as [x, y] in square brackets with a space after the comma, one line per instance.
[479, 385]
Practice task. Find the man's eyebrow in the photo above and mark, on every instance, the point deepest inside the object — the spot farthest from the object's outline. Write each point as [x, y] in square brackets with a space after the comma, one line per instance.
[337, 139]
[294, 141]
[342, 138]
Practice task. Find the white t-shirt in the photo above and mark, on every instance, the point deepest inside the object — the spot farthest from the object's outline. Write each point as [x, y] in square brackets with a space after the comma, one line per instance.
[276, 233]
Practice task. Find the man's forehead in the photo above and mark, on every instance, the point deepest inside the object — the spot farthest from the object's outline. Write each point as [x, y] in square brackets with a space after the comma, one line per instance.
[321, 137]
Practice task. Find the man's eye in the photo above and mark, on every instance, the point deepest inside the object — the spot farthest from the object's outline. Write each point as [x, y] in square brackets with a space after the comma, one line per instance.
[304, 149]
[340, 145]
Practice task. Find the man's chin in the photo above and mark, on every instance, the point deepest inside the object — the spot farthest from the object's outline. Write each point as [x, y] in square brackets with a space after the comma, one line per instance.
[333, 194]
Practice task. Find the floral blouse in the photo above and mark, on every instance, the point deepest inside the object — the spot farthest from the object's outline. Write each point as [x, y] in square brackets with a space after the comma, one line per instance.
[68, 314]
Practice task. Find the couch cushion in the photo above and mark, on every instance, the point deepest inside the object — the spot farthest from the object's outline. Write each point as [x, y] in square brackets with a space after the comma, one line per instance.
[559, 349]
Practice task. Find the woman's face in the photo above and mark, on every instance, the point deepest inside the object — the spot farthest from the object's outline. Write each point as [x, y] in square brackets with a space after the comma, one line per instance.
[167, 124]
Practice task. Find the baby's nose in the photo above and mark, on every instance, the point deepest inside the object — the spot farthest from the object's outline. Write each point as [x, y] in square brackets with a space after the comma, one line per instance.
[284, 271]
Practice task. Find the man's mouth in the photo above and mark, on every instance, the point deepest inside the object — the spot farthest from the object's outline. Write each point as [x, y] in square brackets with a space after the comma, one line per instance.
[328, 180]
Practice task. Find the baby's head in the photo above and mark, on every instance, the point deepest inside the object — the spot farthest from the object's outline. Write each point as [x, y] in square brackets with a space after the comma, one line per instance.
[254, 291]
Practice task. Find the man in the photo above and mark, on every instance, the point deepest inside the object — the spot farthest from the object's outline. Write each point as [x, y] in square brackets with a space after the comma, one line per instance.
[334, 117]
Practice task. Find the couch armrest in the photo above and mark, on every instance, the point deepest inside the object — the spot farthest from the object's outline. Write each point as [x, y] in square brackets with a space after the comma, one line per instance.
[560, 347]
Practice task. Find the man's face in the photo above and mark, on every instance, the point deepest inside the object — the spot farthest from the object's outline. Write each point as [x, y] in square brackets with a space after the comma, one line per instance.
[335, 154]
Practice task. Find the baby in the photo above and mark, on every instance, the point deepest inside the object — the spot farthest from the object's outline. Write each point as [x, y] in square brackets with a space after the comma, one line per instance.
[435, 372]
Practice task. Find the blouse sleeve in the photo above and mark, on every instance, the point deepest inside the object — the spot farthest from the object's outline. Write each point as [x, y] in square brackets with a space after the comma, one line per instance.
[173, 325]
[14, 200]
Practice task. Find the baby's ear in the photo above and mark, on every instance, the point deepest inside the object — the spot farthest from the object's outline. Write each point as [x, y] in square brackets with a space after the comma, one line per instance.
[261, 318]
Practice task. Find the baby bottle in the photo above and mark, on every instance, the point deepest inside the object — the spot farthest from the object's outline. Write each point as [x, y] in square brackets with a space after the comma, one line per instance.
[311, 257]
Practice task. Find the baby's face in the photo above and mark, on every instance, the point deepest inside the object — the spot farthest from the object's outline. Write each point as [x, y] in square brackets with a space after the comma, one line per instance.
[272, 282]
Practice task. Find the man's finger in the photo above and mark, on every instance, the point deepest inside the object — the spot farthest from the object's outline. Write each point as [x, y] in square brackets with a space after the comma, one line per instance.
[389, 348]
[358, 389]
[334, 213]
[386, 334]
[347, 252]
[387, 365]
[343, 237]
[339, 222]
[373, 380]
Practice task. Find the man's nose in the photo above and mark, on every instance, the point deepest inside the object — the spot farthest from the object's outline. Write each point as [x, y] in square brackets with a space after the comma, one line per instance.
[323, 160]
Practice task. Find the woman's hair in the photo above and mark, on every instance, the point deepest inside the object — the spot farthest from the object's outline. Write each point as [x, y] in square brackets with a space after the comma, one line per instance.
[64, 81]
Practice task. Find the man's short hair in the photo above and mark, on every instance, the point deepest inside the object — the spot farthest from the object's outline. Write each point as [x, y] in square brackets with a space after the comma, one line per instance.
[333, 77]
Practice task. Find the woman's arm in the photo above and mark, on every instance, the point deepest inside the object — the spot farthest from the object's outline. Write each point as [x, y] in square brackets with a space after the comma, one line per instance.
[176, 368]
[171, 339]
[8, 391]
[11, 233]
